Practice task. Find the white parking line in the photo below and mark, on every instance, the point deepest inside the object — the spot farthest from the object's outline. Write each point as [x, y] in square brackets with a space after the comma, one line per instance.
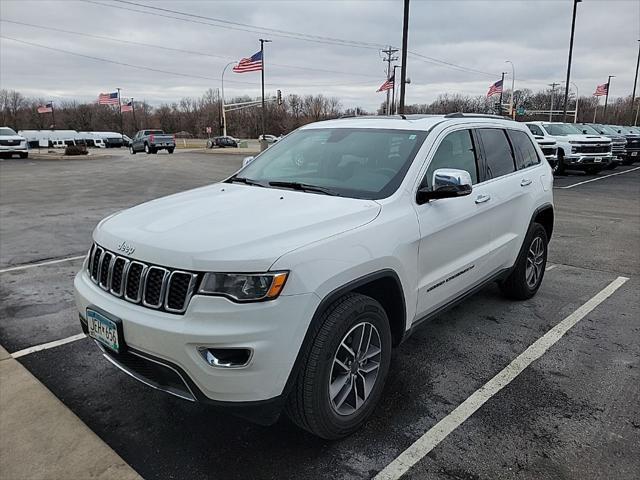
[46, 346]
[40, 264]
[550, 267]
[448, 424]
[599, 178]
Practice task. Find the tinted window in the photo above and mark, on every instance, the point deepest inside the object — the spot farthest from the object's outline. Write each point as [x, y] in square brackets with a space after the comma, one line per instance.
[526, 154]
[535, 129]
[455, 151]
[6, 131]
[497, 152]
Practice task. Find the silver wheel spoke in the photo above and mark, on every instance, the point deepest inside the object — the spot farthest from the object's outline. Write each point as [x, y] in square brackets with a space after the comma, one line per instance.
[341, 365]
[344, 393]
[338, 384]
[372, 352]
[369, 367]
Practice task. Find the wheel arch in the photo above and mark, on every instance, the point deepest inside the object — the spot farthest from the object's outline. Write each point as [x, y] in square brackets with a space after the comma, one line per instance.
[544, 215]
[376, 285]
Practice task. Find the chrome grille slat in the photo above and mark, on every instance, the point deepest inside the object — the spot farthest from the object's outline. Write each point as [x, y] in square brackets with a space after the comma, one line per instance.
[158, 287]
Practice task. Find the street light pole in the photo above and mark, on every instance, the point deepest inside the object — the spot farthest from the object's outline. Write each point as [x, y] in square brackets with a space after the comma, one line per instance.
[566, 89]
[553, 91]
[224, 117]
[635, 83]
[575, 114]
[393, 91]
[403, 68]
[513, 82]
[606, 98]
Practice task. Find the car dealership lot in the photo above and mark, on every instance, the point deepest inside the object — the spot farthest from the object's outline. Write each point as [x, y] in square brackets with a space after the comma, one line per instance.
[574, 413]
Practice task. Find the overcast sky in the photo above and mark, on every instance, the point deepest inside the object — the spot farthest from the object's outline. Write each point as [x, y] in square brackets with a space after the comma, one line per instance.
[474, 34]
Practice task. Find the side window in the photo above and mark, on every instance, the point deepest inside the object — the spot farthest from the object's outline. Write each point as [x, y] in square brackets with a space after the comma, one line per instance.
[526, 154]
[455, 151]
[535, 129]
[497, 150]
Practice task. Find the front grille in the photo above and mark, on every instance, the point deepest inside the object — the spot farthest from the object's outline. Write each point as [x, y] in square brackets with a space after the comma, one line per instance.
[549, 151]
[10, 143]
[593, 148]
[149, 285]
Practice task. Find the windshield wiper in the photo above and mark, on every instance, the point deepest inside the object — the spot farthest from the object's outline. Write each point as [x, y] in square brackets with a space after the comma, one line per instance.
[244, 180]
[305, 187]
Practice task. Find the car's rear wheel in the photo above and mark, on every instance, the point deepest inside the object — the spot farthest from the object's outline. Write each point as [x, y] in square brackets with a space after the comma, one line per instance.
[147, 149]
[344, 370]
[528, 272]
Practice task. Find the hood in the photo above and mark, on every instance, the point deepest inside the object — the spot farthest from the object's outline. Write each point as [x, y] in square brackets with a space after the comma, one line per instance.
[12, 138]
[584, 138]
[229, 227]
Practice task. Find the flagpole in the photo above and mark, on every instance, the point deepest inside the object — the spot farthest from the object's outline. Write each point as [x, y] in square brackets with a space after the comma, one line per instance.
[53, 116]
[595, 112]
[262, 42]
[606, 99]
[120, 107]
[133, 111]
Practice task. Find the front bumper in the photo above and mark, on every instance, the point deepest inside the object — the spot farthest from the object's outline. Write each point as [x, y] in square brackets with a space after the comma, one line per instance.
[12, 149]
[273, 331]
[552, 159]
[591, 160]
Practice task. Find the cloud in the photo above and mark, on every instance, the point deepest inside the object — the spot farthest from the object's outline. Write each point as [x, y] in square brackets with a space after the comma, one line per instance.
[477, 34]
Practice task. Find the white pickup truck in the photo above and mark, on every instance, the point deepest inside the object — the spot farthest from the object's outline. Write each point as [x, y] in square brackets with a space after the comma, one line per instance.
[576, 151]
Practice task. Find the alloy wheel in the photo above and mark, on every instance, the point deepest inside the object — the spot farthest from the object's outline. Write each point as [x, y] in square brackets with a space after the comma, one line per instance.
[535, 262]
[355, 367]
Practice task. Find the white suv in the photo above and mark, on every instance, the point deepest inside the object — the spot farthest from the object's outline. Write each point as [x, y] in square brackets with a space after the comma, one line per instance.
[12, 144]
[286, 286]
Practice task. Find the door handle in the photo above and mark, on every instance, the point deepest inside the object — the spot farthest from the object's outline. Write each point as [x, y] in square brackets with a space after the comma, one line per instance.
[483, 198]
[525, 182]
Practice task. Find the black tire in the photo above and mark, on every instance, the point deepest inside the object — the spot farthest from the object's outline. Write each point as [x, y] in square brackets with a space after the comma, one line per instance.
[309, 405]
[24, 155]
[132, 150]
[560, 167]
[516, 286]
[147, 149]
[170, 150]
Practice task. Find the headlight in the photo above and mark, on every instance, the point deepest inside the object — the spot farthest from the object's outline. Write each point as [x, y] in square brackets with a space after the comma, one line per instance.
[244, 287]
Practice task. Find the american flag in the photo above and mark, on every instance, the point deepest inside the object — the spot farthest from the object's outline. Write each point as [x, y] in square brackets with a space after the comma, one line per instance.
[601, 90]
[108, 98]
[127, 106]
[252, 64]
[388, 85]
[48, 108]
[495, 88]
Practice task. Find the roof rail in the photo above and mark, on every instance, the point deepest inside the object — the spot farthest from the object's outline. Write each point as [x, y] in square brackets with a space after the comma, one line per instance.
[474, 115]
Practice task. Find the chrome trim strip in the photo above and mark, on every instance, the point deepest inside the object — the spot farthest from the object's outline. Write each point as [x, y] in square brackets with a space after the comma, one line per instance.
[97, 280]
[122, 279]
[95, 252]
[163, 287]
[189, 294]
[147, 381]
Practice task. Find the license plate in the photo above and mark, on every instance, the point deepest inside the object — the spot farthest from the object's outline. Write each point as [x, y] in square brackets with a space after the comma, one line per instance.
[634, 154]
[103, 330]
[597, 159]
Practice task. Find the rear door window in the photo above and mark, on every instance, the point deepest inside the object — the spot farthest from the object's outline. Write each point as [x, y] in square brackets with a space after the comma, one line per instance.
[535, 129]
[497, 151]
[526, 154]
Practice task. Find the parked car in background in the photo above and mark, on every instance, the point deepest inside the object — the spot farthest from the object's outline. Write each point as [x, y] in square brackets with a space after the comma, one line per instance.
[111, 139]
[12, 144]
[632, 134]
[549, 148]
[589, 153]
[285, 288]
[618, 141]
[268, 138]
[222, 142]
[150, 141]
[92, 139]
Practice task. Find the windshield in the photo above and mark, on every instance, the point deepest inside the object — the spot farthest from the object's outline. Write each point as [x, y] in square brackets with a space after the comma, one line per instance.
[561, 129]
[352, 162]
[5, 131]
[605, 129]
[589, 130]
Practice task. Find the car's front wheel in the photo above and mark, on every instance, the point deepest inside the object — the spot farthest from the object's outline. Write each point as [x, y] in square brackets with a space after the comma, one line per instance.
[527, 274]
[344, 370]
[132, 150]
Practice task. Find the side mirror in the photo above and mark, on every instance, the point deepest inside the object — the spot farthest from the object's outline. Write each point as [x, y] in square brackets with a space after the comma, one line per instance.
[247, 160]
[447, 183]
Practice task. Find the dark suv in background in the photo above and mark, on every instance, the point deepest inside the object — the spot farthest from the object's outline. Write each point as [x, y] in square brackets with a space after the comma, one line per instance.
[632, 134]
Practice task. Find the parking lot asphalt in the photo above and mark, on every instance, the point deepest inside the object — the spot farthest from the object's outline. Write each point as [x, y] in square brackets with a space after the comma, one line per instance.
[574, 413]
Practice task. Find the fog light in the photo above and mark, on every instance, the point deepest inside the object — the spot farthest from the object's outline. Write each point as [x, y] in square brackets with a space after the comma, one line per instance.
[226, 357]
